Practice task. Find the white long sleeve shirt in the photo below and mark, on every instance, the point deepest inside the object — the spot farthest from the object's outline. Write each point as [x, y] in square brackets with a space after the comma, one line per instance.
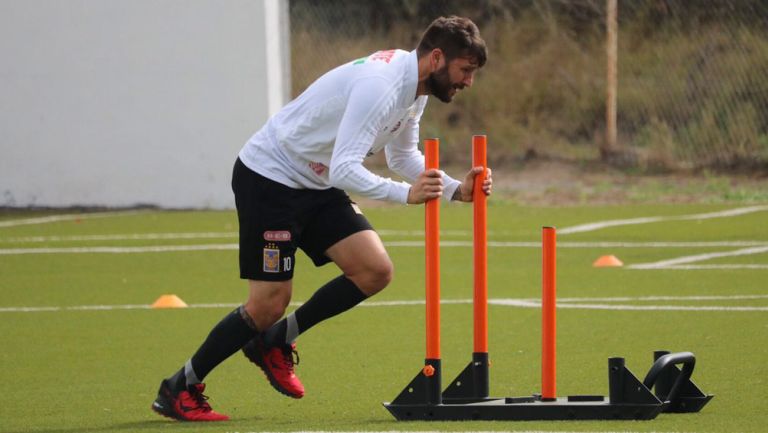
[320, 139]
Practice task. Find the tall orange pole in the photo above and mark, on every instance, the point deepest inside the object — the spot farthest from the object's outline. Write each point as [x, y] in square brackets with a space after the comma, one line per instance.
[479, 159]
[548, 317]
[432, 236]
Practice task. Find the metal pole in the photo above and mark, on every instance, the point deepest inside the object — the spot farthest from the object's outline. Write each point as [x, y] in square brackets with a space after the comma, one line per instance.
[548, 315]
[432, 239]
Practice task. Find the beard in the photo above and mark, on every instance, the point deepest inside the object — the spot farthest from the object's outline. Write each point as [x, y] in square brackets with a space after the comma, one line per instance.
[440, 85]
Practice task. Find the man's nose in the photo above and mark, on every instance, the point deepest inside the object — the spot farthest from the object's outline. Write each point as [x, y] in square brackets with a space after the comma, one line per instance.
[468, 79]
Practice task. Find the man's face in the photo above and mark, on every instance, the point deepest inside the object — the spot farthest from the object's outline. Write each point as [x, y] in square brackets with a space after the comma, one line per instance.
[452, 77]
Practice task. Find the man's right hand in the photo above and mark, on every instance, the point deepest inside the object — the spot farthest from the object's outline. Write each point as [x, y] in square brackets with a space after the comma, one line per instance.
[428, 185]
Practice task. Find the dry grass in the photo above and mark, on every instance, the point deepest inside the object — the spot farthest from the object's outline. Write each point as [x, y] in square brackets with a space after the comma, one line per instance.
[687, 100]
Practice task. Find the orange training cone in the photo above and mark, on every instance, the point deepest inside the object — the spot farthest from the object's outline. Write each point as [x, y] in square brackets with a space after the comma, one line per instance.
[607, 262]
[169, 301]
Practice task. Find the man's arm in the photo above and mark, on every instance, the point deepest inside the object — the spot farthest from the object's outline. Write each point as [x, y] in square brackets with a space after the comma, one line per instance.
[405, 159]
[369, 103]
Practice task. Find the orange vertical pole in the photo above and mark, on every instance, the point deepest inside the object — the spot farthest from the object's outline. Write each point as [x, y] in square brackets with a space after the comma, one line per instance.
[432, 236]
[479, 158]
[548, 318]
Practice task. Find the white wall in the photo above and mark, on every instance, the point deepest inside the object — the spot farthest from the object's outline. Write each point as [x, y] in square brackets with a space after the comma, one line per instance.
[125, 102]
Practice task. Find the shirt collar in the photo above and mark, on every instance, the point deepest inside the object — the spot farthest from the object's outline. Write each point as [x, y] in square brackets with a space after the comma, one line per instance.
[410, 80]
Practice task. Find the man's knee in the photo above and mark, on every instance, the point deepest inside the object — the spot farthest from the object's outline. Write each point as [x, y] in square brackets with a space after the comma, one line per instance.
[267, 302]
[375, 277]
[263, 314]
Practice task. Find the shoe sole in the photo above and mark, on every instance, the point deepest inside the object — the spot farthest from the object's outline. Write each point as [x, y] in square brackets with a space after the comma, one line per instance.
[162, 406]
[252, 354]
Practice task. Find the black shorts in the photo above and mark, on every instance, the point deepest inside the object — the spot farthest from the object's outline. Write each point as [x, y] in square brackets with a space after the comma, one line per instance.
[276, 219]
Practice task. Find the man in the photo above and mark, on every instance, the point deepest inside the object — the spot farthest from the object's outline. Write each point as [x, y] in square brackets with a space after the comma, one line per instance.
[289, 183]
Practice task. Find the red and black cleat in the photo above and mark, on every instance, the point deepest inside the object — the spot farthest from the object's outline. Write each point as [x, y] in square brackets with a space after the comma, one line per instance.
[188, 405]
[277, 364]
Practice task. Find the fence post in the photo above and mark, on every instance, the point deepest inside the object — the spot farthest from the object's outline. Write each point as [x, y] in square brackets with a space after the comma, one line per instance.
[609, 146]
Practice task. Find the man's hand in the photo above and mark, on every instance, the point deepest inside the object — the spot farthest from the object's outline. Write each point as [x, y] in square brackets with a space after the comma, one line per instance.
[464, 191]
[428, 185]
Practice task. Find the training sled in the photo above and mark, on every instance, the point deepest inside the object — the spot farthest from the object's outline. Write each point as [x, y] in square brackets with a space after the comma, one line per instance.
[665, 388]
[466, 398]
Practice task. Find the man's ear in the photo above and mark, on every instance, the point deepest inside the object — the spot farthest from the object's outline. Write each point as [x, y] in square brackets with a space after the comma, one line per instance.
[436, 56]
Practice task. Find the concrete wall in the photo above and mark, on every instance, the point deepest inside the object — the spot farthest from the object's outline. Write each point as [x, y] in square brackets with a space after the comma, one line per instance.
[125, 102]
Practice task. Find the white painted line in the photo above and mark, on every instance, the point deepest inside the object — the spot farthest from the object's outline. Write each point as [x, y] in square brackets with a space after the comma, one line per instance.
[687, 244]
[395, 244]
[666, 298]
[434, 431]
[566, 303]
[658, 307]
[680, 263]
[723, 266]
[498, 244]
[420, 233]
[67, 217]
[645, 220]
[119, 250]
[535, 303]
[697, 258]
[121, 237]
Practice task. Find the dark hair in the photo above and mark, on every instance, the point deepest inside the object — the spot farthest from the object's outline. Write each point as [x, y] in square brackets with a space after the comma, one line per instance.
[456, 37]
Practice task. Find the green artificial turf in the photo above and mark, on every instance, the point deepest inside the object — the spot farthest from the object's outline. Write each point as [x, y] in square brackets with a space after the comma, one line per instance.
[70, 370]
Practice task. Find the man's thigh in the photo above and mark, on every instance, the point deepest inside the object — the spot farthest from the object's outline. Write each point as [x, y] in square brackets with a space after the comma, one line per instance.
[266, 212]
[337, 218]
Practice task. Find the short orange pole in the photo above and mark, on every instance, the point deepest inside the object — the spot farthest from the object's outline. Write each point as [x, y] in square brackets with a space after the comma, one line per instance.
[479, 158]
[432, 236]
[548, 316]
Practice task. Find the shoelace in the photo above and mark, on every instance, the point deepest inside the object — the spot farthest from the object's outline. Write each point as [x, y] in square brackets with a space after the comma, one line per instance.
[288, 357]
[200, 399]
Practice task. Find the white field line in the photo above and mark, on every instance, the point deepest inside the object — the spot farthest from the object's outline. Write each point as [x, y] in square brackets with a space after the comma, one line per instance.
[67, 217]
[118, 250]
[697, 258]
[723, 266]
[645, 220]
[666, 298]
[499, 244]
[396, 243]
[420, 233]
[121, 237]
[434, 431]
[411, 244]
[533, 303]
[674, 264]
[569, 303]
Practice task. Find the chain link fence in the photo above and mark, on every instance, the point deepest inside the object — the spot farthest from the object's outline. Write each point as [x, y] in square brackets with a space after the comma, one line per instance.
[692, 90]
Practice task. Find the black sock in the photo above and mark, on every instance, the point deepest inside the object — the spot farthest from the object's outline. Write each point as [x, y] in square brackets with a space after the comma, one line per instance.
[226, 338]
[337, 296]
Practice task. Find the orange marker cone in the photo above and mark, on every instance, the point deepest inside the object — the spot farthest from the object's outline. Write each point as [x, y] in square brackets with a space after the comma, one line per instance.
[169, 301]
[607, 262]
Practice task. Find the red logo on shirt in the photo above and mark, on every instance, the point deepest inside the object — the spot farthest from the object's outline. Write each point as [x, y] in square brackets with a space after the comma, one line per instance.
[318, 167]
[385, 56]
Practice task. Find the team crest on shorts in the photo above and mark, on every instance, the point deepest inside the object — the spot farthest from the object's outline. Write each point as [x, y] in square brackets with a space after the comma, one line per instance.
[271, 258]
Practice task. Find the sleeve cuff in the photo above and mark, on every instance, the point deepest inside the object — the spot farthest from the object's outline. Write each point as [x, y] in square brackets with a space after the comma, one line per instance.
[398, 192]
[451, 185]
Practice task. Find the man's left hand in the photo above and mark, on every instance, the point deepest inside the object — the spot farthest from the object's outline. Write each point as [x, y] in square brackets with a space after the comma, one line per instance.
[464, 191]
